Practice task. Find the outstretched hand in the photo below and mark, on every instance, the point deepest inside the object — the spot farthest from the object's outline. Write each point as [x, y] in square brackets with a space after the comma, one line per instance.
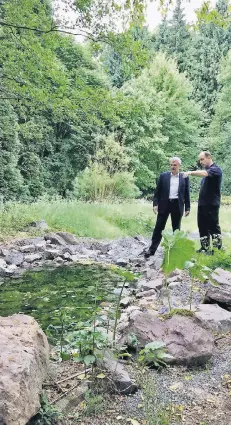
[186, 174]
[155, 210]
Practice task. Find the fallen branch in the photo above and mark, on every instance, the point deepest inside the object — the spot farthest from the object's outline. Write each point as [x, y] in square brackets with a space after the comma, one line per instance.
[64, 394]
[73, 376]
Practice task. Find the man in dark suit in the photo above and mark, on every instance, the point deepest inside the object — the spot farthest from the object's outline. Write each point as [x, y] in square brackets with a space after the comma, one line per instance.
[171, 197]
[208, 203]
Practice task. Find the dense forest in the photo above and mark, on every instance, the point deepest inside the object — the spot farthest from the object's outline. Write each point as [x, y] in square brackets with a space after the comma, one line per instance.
[100, 118]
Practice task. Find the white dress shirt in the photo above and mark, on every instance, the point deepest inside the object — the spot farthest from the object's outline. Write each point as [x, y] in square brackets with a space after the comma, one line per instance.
[174, 186]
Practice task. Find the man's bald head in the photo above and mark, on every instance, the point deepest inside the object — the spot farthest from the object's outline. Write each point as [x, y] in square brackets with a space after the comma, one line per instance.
[205, 159]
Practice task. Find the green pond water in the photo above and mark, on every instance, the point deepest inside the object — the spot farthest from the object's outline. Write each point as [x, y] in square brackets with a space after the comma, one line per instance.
[74, 289]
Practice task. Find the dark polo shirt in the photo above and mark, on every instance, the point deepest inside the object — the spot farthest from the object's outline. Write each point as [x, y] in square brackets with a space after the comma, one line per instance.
[210, 191]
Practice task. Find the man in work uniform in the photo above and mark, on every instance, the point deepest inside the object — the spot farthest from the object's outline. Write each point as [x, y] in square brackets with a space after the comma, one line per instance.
[171, 197]
[208, 202]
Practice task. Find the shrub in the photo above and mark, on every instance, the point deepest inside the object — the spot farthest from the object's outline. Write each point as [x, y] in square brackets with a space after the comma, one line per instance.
[96, 184]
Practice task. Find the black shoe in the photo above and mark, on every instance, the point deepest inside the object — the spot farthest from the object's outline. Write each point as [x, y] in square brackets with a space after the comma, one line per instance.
[148, 253]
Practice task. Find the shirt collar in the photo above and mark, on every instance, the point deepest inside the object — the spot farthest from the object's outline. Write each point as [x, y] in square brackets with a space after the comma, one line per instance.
[175, 175]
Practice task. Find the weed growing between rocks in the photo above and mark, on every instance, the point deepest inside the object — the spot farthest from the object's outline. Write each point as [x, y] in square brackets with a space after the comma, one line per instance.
[179, 311]
[47, 414]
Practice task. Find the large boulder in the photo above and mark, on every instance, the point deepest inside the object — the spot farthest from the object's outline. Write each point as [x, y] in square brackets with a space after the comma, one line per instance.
[24, 355]
[221, 277]
[214, 317]
[220, 295]
[61, 238]
[219, 292]
[187, 341]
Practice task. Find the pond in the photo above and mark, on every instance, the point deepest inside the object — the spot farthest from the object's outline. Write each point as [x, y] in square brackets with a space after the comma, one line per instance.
[46, 294]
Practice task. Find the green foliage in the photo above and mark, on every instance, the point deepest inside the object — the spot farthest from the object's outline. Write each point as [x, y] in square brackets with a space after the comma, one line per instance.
[155, 354]
[107, 176]
[220, 129]
[177, 250]
[158, 119]
[129, 53]
[94, 404]
[199, 51]
[174, 37]
[82, 344]
[47, 414]
[179, 312]
[10, 179]
[220, 259]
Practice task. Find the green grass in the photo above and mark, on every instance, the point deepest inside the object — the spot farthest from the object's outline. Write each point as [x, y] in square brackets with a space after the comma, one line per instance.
[94, 220]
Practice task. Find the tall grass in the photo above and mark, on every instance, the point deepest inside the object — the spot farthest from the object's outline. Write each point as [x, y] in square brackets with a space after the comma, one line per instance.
[96, 220]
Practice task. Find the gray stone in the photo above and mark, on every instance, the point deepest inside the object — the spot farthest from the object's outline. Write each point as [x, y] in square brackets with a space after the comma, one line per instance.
[221, 277]
[131, 308]
[27, 248]
[151, 274]
[121, 381]
[125, 293]
[138, 262]
[15, 258]
[145, 294]
[153, 284]
[24, 355]
[55, 239]
[2, 263]
[71, 249]
[10, 270]
[148, 302]
[4, 252]
[51, 254]
[125, 302]
[30, 258]
[40, 246]
[59, 260]
[67, 256]
[174, 285]
[175, 273]
[3, 271]
[140, 284]
[121, 262]
[186, 340]
[214, 317]
[125, 248]
[173, 279]
[74, 258]
[68, 238]
[220, 295]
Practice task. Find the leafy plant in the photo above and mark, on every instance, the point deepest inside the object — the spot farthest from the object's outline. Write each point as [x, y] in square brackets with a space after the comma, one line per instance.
[82, 344]
[198, 271]
[47, 414]
[177, 250]
[94, 403]
[155, 354]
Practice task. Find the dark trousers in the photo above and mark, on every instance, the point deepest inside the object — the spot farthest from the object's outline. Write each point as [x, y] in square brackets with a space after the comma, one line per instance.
[176, 216]
[208, 225]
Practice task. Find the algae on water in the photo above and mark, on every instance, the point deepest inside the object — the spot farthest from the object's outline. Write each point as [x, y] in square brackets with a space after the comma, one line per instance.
[74, 289]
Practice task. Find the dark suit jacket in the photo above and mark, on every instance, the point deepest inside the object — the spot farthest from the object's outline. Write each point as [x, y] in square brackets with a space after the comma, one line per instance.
[161, 194]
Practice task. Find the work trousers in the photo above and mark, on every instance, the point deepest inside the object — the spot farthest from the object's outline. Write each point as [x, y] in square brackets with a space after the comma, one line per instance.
[208, 225]
[176, 216]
